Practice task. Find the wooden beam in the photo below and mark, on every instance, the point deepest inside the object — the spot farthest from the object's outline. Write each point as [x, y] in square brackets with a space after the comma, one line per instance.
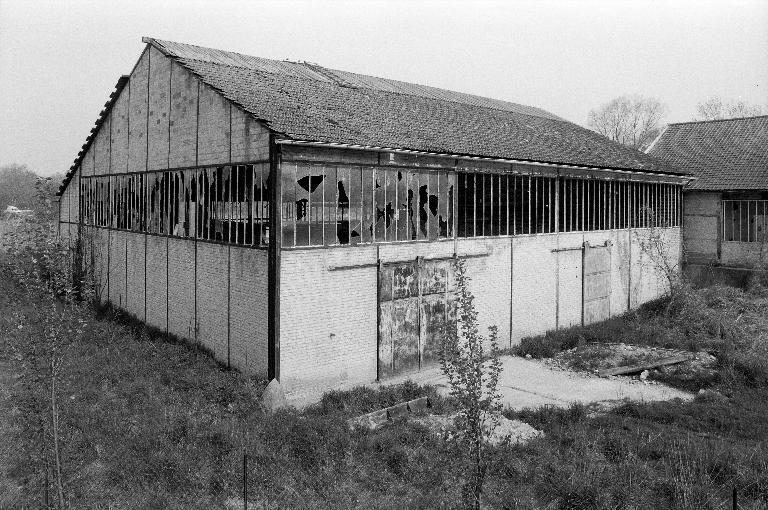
[632, 369]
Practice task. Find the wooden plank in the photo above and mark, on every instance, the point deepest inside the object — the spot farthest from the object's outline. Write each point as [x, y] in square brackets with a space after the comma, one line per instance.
[631, 369]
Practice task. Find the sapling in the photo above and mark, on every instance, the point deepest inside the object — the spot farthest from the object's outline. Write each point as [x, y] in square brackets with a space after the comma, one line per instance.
[471, 363]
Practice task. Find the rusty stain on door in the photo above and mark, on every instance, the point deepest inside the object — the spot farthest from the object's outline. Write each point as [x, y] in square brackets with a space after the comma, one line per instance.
[596, 283]
[415, 301]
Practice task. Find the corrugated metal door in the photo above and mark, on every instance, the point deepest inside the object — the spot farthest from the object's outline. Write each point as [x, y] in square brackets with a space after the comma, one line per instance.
[597, 283]
[415, 301]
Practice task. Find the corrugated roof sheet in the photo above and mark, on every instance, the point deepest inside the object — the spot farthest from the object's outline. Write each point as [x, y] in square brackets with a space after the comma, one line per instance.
[729, 154]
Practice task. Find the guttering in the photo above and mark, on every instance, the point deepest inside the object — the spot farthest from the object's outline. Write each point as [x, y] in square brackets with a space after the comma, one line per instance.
[374, 148]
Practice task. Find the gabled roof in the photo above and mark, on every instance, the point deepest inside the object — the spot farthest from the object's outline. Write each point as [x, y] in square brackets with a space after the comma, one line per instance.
[729, 154]
[306, 101]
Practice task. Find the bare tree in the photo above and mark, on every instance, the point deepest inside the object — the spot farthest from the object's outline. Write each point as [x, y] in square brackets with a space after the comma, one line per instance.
[631, 120]
[715, 109]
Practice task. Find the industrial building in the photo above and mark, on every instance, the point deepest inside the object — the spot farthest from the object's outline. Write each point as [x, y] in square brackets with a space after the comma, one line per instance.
[726, 206]
[301, 222]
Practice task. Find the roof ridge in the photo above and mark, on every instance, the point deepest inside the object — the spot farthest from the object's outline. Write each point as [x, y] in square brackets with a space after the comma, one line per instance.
[717, 120]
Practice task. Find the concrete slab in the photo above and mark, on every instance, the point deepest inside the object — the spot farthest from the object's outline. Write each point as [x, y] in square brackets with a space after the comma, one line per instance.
[528, 383]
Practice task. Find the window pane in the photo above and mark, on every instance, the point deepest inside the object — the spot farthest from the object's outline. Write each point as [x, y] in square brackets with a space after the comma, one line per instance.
[369, 212]
[331, 190]
[315, 182]
[342, 204]
[301, 187]
[401, 206]
[289, 204]
[390, 197]
[355, 191]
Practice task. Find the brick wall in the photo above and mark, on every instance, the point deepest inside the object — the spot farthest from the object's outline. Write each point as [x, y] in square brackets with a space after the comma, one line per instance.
[248, 312]
[327, 318]
[135, 258]
[117, 269]
[533, 285]
[490, 274]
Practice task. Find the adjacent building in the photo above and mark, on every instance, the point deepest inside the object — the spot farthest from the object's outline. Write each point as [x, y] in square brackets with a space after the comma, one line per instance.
[726, 206]
[301, 222]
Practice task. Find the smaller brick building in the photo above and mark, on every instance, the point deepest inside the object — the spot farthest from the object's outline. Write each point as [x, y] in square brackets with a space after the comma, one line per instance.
[301, 221]
[726, 206]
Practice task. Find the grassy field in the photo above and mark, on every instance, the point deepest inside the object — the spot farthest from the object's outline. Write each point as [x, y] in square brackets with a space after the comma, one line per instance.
[152, 423]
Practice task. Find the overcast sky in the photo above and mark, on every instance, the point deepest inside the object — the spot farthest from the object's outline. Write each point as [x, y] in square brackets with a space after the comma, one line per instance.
[60, 60]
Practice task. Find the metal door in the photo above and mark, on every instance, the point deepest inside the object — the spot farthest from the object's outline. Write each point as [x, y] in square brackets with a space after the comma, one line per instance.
[415, 304]
[569, 294]
[597, 283]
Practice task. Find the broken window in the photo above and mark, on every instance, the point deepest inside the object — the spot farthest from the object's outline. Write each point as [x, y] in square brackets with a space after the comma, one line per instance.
[227, 204]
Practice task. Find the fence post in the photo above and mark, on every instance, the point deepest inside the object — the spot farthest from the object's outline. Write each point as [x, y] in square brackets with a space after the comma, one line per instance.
[245, 480]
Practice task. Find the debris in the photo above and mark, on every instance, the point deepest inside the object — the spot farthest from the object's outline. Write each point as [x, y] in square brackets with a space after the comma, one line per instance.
[631, 369]
[644, 375]
[513, 431]
[381, 417]
[273, 397]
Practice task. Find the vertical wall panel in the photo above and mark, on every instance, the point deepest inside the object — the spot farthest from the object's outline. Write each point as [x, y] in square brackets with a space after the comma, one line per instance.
[534, 286]
[328, 318]
[183, 117]
[100, 257]
[213, 128]
[86, 165]
[137, 146]
[64, 205]
[73, 191]
[157, 281]
[119, 122]
[249, 309]
[250, 140]
[181, 287]
[117, 269]
[620, 267]
[490, 283]
[135, 274]
[102, 148]
[159, 103]
[212, 298]
[569, 279]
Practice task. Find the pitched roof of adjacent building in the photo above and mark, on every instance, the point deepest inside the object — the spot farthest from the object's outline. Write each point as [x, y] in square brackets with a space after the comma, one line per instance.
[305, 101]
[729, 154]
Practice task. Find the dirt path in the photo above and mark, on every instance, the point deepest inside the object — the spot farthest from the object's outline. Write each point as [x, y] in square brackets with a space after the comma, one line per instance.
[528, 383]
